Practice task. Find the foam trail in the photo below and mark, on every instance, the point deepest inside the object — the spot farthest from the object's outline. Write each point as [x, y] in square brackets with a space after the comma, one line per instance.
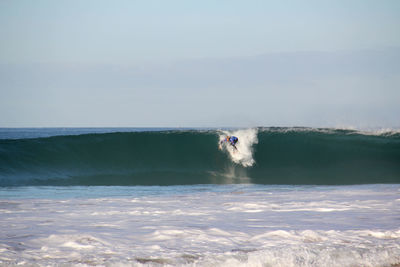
[244, 153]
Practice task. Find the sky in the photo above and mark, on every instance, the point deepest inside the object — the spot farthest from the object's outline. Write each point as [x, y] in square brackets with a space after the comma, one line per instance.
[185, 63]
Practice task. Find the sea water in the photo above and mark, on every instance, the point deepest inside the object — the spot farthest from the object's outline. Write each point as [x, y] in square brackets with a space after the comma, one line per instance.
[233, 217]
[201, 225]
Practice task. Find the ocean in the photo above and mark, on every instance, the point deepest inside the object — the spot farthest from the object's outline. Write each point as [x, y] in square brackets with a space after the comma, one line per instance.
[288, 196]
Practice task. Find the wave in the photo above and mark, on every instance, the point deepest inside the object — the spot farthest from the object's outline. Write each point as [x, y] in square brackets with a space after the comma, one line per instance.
[265, 156]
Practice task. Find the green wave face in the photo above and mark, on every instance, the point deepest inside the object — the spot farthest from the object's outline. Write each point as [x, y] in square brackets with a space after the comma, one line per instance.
[264, 156]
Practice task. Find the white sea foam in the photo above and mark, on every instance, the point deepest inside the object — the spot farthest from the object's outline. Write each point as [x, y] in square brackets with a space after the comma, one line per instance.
[244, 153]
[235, 225]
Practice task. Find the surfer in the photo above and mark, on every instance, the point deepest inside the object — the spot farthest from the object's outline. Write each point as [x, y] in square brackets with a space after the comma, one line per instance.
[232, 140]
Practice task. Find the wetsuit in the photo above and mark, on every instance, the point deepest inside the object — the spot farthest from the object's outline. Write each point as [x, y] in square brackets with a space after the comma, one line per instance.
[233, 140]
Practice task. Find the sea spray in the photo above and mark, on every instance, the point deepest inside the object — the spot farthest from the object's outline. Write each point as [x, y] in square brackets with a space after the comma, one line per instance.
[243, 155]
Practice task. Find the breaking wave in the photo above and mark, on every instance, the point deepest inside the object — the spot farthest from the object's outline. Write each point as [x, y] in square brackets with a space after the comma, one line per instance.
[174, 157]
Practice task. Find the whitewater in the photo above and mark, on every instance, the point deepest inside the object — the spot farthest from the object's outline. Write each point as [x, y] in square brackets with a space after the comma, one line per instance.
[172, 197]
[203, 225]
[243, 155]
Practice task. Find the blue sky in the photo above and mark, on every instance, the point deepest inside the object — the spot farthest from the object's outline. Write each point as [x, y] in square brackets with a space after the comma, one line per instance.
[199, 63]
